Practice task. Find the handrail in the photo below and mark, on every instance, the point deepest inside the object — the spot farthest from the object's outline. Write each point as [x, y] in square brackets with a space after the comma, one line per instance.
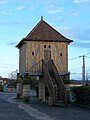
[60, 85]
[48, 80]
[58, 78]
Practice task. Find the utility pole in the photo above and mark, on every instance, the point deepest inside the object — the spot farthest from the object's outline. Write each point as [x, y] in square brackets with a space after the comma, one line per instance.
[87, 79]
[83, 70]
[83, 76]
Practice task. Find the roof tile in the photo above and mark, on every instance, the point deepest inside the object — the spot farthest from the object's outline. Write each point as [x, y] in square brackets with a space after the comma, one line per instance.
[44, 32]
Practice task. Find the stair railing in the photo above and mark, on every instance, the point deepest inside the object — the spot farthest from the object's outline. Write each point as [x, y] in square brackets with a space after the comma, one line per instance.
[59, 80]
[48, 81]
[54, 70]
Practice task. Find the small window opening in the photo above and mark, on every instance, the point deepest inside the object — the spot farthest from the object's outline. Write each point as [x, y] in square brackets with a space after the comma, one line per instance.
[60, 54]
[32, 53]
[44, 46]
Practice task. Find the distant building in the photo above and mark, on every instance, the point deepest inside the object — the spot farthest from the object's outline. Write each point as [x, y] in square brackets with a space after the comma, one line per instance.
[1, 82]
[4, 81]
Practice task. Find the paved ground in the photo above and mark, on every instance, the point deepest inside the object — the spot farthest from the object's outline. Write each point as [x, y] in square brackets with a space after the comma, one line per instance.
[11, 110]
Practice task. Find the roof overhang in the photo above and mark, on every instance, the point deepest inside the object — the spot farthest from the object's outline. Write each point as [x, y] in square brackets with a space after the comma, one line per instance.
[40, 40]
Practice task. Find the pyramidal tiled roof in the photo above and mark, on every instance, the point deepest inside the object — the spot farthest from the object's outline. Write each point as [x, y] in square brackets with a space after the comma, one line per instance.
[44, 32]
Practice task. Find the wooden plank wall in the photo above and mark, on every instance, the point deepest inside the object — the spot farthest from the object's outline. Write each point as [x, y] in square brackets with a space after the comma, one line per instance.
[59, 54]
[22, 59]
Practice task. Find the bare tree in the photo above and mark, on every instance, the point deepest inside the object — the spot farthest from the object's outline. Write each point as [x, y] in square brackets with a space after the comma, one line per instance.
[13, 75]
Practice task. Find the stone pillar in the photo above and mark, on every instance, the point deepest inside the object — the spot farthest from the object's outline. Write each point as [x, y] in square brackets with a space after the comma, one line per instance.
[26, 92]
[19, 90]
[19, 86]
[42, 91]
[26, 88]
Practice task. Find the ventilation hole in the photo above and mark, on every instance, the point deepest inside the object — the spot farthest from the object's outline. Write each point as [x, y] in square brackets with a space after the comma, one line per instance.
[44, 46]
[32, 53]
[60, 54]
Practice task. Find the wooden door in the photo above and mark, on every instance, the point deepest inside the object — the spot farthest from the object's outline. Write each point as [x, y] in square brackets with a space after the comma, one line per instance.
[47, 57]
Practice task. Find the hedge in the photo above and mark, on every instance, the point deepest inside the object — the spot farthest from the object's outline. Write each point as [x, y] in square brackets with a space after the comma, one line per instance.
[82, 94]
[1, 88]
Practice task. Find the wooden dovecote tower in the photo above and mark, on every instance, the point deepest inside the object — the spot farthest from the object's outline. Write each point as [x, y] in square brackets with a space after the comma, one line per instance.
[44, 50]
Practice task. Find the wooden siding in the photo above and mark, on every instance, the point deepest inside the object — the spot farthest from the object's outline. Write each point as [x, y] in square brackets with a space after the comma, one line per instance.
[35, 53]
[22, 59]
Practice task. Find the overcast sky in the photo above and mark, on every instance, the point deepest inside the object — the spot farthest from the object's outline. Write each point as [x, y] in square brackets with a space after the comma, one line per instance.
[70, 17]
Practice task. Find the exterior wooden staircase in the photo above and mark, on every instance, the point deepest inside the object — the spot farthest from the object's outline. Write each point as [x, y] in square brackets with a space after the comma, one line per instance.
[54, 83]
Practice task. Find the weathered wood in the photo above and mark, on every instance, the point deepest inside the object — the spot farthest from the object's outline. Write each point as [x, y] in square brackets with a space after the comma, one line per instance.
[34, 52]
[22, 59]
